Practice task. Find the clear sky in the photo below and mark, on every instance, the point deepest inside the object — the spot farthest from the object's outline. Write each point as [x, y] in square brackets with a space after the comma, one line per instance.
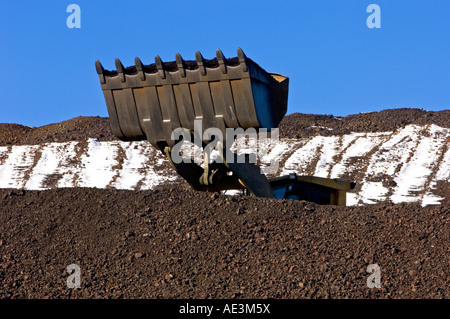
[336, 64]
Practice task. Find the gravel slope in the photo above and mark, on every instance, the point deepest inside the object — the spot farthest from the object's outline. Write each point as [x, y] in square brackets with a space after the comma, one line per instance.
[292, 126]
[176, 243]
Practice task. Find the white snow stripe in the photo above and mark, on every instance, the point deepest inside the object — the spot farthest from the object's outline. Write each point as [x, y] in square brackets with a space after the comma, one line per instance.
[14, 169]
[415, 157]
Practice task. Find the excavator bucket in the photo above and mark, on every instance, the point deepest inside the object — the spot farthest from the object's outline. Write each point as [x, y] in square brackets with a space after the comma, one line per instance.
[150, 101]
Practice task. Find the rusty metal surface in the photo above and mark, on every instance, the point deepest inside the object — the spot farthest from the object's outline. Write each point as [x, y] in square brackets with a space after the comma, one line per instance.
[312, 188]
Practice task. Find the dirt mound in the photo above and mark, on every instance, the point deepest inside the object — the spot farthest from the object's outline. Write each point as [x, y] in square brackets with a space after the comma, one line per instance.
[304, 125]
[13, 133]
[76, 129]
[177, 243]
[292, 126]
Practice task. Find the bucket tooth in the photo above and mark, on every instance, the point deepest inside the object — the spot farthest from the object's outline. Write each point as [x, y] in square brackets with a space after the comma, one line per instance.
[180, 65]
[200, 62]
[120, 70]
[160, 67]
[242, 59]
[221, 60]
[100, 70]
[140, 68]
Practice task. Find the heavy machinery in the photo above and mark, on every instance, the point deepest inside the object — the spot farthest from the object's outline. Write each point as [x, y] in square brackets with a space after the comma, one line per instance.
[152, 102]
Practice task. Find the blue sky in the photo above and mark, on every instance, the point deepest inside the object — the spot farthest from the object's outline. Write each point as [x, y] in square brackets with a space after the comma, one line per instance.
[336, 64]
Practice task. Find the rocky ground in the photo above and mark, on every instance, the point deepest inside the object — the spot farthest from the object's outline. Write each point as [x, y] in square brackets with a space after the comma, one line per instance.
[304, 125]
[176, 243]
[292, 126]
[76, 129]
[173, 242]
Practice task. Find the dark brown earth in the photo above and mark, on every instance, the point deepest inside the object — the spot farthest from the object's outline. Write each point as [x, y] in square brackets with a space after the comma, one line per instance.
[304, 125]
[292, 126]
[176, 243]
[76, 129]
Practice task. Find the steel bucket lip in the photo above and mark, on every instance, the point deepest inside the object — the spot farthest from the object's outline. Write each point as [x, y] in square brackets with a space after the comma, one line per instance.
[171, 66]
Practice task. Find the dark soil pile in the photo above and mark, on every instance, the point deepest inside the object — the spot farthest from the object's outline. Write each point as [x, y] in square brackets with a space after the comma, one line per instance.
[13, 134]
[177, 243]
[76, 129]
[292, 126]
[304, 125]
